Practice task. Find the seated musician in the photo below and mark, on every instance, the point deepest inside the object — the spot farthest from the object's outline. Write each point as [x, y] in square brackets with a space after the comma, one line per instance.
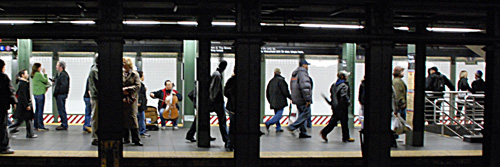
[165, 96]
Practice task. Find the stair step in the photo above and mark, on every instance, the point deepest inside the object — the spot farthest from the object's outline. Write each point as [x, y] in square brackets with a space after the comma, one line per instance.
[473, 138]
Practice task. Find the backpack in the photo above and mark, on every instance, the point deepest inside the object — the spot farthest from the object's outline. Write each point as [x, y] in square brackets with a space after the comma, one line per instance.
[438, 84]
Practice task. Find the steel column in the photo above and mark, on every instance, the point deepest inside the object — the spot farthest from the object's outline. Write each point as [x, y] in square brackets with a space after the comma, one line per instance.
[203, 78]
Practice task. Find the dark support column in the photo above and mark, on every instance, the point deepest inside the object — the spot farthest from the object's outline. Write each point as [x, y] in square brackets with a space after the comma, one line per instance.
[248, 72]
[203, 78]
[378, 73]
[419, 99]
[110, 80]
[491, 144]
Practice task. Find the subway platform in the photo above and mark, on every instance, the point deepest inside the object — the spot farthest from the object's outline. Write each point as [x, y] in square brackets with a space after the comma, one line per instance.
[172, 144]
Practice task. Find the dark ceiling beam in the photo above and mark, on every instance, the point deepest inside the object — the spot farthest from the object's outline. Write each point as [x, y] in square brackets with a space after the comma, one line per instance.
[292, 34]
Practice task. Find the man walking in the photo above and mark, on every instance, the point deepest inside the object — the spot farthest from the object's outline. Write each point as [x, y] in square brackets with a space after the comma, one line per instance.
[400, 88]
[7, 98]
[340, 102]
[277, 93]
[217, 101]
[301, 87]
[61, 93]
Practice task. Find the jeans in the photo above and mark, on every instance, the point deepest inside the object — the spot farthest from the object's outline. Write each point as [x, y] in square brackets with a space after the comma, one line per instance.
[164, 121]
[88, 113]
[4, 135]
[39, 105]
[141, 116]
[61, 108]
[304, 114]
[278, 113]
[309, 122]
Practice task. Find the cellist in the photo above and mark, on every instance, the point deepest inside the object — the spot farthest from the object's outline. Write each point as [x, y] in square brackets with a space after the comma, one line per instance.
[162, 103]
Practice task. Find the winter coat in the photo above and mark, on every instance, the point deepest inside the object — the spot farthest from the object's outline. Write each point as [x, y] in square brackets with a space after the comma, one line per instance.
[431, 80]
[215, 91]
[93, 79]
[192, 97]
[339, 95]
[61, 83]
[24, 100]
[230, 93]
[7, 96]
[159, 95]
[143, 100]
[301, 86]
[401, 89]
[277, 92]
[478, 86]
[361, 93]
[131, 83]
[463, 85]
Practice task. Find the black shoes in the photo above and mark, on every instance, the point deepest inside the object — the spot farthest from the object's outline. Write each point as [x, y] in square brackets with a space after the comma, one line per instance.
[145, 135]
[61, 128]
[323, 136]
[228, 147]
[138, 143]
[8, 151]
[348, 140]
[126, 141]
[304, 135]
[32, 136]
[211, 139]
[192, 139]
[95, 142]
[281, 130]
[14, 131]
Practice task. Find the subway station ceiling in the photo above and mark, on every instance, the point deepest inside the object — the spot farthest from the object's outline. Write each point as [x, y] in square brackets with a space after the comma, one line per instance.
[465, 14]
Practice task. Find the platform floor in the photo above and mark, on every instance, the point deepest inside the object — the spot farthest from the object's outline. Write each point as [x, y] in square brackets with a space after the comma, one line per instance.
[171, 143]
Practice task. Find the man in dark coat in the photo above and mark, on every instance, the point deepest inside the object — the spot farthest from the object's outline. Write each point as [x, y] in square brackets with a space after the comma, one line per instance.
[230, 93]
[7, 98]
[24, 110]
[435, 82]
[340, 102]
[301, 87]
[478, 85]
[61, 91]
[143, 105]
[217, 100]
[277, 93]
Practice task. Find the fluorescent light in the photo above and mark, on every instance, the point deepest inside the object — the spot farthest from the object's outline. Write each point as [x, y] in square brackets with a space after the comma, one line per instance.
[17, 21]
[82, 22]
[215, 23]
[402, 28]
[340, 26]
[142, 22]
[188, 23]
[435, 29]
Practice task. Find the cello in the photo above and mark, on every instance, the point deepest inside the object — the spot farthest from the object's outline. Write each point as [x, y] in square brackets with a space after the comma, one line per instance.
[171, 110]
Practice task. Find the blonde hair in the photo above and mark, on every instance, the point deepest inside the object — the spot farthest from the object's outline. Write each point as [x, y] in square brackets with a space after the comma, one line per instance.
[463, 74]
[128, 62]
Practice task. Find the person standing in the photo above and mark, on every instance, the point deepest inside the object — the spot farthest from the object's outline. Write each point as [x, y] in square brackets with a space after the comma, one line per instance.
[340, 102]
[40, 84]
[478, 85]
[93, 80]
[131, 86]
[217, 101]
[231, 106]
[162, 104]
[277, 93]
[61, 91]
[7, 98]
[361, 99]
[143, 105]
[24, 109]
[301, 89]
[463, 83]
[88, 109]
[436, 82]
[401, 89]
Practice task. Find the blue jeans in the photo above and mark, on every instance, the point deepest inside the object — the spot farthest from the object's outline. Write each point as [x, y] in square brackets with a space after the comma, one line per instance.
[39, 105]
[403, 113]
[164, 121]
[304, 114]
[276, 119]
[61, 109]
[309, 122]
[88, 113]
[142, 124]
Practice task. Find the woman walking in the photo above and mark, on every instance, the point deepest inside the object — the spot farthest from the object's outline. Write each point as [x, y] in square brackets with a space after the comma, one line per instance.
[24, 110]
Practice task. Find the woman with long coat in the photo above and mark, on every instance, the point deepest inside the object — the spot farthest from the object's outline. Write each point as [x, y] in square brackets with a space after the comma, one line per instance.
[131, 86]
[24, 110]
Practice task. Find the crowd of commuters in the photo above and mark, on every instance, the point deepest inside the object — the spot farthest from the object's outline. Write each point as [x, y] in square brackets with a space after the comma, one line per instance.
[135, 100]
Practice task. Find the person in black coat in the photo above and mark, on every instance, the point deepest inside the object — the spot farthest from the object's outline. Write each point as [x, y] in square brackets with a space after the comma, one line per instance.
[24, 110]
[478, 85]
[230, 94]
[277, 93]
[340, 102]
[435, 82]
[7, 99]
[61, 90]
[463, 83]
[143, 106]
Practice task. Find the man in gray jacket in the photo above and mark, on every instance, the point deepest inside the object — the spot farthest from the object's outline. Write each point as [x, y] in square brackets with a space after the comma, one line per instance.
[93, 79]
[301, 87]
[217, 101]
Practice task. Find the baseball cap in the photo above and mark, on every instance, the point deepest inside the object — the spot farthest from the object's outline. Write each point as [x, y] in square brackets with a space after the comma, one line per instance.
[344, 72]
[277, 70]
[303, 61]
[479, 73]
